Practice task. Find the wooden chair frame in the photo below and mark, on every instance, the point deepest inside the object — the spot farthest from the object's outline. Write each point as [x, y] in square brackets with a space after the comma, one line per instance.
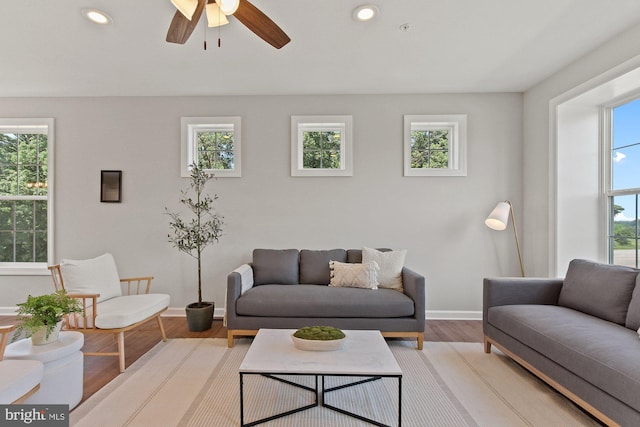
[4, 336]
[77, 321]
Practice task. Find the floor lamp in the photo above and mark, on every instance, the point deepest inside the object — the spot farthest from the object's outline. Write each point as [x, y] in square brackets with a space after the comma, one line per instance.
[498, 219]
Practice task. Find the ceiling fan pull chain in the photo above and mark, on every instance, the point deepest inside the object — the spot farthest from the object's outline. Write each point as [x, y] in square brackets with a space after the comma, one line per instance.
[219, 17]
[205, 34]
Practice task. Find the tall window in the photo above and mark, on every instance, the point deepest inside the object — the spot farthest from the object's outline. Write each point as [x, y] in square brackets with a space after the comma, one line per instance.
[25, 193]
[624, 184]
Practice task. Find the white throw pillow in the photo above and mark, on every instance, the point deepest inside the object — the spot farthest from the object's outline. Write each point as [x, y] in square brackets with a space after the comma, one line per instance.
[92, 276]
[390, 263]
[351, 275]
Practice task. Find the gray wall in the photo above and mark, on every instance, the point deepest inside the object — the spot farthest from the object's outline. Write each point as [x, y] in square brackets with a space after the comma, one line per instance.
[439, 220]
[618, 56]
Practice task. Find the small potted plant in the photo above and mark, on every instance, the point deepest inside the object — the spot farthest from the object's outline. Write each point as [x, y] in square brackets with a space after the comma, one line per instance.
[318, 338]
[41, 316]
[192, 236]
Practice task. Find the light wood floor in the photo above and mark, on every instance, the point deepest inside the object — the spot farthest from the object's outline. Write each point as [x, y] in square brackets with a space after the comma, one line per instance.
[99, 370]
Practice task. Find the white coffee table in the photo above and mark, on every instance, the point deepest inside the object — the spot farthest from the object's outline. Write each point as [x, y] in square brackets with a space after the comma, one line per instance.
[365, 354]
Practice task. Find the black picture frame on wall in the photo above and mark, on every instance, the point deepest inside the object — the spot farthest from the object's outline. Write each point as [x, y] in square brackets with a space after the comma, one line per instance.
[110, 186]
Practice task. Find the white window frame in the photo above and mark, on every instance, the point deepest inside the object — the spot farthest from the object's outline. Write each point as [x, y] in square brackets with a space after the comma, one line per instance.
[456, 125]
[189, 149]
[342, 124]
[40, 125]
[606, 165]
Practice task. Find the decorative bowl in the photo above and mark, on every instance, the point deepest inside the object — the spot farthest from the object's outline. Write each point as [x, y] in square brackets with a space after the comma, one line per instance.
[318, 345]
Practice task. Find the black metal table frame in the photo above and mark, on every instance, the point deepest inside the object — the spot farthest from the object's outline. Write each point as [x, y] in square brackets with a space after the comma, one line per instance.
[319, 399]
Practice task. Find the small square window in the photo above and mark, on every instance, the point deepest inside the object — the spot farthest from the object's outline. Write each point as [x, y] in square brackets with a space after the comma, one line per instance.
[435, 145]
[213, 143]
[321, 146]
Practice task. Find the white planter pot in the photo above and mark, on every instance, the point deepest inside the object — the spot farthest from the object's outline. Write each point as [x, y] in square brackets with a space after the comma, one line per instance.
[40, 336]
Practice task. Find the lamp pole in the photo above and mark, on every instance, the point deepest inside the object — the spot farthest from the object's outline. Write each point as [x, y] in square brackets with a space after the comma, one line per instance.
[515, 232]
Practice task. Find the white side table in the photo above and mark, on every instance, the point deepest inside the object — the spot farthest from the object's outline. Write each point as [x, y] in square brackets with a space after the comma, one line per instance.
[63, 368]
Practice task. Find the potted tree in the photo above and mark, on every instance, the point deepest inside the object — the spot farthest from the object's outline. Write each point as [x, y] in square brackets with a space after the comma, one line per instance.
[41, 316]
[192, 236]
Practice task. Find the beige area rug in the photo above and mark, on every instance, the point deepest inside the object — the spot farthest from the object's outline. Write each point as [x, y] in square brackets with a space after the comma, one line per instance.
[195, 382]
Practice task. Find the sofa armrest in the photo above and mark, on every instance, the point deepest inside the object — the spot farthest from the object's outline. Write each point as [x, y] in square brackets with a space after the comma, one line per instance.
[239, 281]
[518, 290]
[414, 288]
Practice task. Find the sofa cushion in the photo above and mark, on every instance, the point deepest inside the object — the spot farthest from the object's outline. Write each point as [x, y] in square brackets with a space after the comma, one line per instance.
[314, 265]
[275, 266]
[97, 275]
[355, 255]
[18, 378]
[602, 353]
[323, 301]
[129, 309]
[633, 314]
[352, 275]
[390, 263]
[601, 290]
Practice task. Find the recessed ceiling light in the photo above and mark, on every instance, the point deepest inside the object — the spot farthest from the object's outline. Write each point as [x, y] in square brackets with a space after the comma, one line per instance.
[365, 12]
[97, 16]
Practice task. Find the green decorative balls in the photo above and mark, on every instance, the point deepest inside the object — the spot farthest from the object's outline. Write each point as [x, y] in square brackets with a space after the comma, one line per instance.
[322, 333]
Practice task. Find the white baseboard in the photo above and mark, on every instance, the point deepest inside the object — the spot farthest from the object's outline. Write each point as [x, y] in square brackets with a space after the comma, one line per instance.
[453, 315]
[219, 313]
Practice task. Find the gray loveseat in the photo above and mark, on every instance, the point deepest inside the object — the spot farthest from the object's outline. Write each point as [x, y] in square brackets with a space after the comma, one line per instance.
[288, 289]
[577, 334]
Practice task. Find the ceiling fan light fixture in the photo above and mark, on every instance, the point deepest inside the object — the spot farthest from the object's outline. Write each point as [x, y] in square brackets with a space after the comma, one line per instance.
[215, 17]
[186, 7]
[97, 16]
[228, 7]
[365, 12]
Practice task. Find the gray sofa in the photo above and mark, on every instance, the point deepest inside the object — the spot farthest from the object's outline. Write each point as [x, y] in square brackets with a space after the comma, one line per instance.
[288, 289]
[578, 334]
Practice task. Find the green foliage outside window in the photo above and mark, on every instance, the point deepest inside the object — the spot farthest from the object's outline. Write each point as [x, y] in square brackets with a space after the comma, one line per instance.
[23, 173]
[215, 150]
[321, 150]
[624, 232]
[429, 149]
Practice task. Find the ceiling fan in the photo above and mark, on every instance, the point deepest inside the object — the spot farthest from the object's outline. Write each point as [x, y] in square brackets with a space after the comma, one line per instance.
[189, 11]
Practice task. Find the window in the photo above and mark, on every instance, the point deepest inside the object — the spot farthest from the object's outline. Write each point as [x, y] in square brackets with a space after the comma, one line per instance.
[26, 160]
[213, 143]
[321, 146]
[623, 187]
[435, 145]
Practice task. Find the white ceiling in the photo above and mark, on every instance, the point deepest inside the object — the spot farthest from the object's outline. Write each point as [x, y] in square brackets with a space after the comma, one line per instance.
[49, 49]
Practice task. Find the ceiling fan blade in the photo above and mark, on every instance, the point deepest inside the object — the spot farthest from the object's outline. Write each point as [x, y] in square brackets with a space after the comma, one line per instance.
[181, 28]
[261, 25]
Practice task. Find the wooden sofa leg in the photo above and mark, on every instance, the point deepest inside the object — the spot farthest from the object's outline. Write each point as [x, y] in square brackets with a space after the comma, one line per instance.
[487, 345]
[230, 339]
[420, 340]
[164, 336]
[121, 350]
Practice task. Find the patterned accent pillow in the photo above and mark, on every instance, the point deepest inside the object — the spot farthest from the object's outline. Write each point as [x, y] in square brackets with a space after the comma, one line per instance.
[349, 275]
[390, 264]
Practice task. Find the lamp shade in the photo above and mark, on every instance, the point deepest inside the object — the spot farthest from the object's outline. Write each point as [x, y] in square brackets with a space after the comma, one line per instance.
[499, 217]
[215, 17]
[228, 7]
[186, 7]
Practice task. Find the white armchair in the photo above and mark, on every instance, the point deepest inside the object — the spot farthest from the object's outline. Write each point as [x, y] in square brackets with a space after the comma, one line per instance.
[19, 379]
[106, 309]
